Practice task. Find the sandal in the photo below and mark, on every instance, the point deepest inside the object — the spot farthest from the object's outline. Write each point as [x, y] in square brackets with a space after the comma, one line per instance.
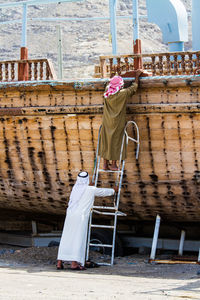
[113, 168]
[91, 264]
[60, 266]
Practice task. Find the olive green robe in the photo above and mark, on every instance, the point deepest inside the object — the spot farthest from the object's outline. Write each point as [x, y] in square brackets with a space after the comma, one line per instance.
[113, 123]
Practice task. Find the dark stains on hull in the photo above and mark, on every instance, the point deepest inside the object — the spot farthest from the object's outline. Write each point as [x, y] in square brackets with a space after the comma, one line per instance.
[71, 181]
[52, 130]
[90, 98]
[18, 150]
[8, 159]
[20, 157]
[185, 193]
[43, 160]
[170, 197]
[92, 135]
[79, 143]
[128, 195]
[153, 176]
[31, 157]
[196, 176]
[2, 185]
[141, 184]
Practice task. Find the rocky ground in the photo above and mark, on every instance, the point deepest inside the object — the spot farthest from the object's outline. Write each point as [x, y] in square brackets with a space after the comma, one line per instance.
[83, 41]
[30, 273]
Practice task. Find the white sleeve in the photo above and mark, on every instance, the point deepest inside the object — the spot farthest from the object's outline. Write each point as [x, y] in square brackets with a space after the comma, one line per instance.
[103, 192]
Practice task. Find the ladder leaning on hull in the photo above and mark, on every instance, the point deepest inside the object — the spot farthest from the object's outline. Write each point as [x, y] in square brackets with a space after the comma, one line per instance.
[110, 210]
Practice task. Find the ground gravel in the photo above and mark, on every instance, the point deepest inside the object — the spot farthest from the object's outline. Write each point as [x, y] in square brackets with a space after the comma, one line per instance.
[136, 264]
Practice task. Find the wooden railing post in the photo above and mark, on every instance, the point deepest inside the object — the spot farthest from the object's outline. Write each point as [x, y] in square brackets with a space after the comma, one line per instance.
[137, 49]
[103, 68]
[23, 68]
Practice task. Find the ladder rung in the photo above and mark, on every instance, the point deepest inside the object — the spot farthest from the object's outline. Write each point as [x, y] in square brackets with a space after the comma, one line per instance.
[118, 213]
[105, 213]
[102, 226]
[121, 214]
[104, 264]
[105, 207]
[101, 245]
[110, 171]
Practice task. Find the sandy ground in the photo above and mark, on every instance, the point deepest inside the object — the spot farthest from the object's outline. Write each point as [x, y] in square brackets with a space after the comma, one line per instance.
[31, 274]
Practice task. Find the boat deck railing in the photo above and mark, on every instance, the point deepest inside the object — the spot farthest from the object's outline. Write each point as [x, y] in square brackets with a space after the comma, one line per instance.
[38, 69]
[158, 64]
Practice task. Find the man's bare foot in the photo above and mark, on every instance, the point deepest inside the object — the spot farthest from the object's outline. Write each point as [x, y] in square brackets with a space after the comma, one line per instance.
[76, 266]
[105, 165]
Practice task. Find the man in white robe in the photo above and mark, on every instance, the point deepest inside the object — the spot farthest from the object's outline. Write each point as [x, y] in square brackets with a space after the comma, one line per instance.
[74, 236]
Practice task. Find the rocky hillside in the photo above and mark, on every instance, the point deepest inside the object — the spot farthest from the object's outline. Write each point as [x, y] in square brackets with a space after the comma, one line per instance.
[83, 41]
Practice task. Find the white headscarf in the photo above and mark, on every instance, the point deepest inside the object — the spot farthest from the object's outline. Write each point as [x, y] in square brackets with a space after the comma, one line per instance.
[78, 189]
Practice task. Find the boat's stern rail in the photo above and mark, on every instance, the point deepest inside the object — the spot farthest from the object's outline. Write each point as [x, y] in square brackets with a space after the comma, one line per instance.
[38, 69]
[170, 63]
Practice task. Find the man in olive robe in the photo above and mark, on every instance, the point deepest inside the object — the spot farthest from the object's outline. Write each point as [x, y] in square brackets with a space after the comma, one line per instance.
[114, 120]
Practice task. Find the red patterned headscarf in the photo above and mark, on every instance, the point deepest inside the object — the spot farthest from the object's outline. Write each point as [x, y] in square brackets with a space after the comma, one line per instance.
[116, 83]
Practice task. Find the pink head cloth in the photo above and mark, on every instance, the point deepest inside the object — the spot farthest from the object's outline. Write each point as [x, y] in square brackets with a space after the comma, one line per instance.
[116, 83]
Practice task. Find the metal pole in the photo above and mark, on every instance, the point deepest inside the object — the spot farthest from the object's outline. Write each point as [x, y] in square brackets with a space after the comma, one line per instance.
[112, 7]
[135, 20]
[24, 26]
[199, 256]
[155, 238]
[59, 19]
[34, 227]
[195, 25]
[181, 244]
[35, 2]
[60, 56]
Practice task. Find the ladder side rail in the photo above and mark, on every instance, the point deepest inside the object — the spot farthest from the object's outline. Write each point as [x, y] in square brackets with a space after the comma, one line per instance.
[120, 186]
[97, 153]
[120, 158]
[116, 214]
[97, 171]
[121, 151]
[137, 140]
[121, 178]
[138, 146]
[89, 235]
[114, 237]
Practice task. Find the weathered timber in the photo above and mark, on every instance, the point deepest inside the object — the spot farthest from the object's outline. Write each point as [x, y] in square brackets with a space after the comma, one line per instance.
[49, 131]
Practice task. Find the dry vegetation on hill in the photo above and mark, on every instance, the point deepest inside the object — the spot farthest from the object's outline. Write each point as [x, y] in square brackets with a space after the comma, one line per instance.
[83, 41]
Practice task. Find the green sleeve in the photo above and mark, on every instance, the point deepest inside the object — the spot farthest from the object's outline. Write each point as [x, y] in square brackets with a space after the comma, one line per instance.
[128, 92]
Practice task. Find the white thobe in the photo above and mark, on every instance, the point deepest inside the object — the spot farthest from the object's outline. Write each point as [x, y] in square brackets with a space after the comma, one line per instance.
[73, 240]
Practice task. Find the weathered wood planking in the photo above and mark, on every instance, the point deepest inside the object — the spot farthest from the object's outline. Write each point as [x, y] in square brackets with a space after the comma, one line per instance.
[48, 133]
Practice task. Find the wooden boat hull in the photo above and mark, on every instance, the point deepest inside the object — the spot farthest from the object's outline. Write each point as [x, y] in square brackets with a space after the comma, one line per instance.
[49, 130]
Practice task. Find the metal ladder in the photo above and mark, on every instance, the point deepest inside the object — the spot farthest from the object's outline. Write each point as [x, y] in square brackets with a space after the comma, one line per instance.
[110, 210]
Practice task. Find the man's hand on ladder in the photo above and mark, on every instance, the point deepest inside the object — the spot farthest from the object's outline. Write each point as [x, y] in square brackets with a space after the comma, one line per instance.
[116, 188]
